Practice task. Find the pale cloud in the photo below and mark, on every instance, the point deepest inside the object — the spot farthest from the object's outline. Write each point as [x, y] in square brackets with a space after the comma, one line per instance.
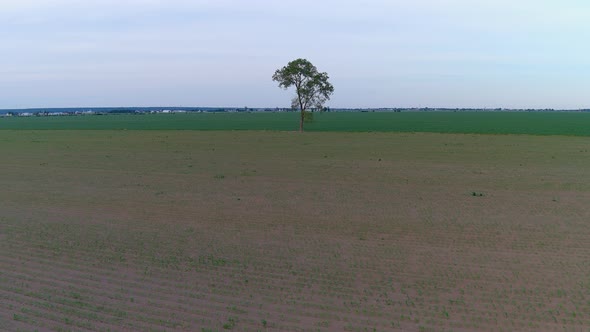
[378, 53]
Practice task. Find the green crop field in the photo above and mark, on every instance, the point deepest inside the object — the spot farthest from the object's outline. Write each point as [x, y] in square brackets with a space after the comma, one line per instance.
[542, 123]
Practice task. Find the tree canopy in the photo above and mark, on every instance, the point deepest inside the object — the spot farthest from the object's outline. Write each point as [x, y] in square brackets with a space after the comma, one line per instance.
[312, 87]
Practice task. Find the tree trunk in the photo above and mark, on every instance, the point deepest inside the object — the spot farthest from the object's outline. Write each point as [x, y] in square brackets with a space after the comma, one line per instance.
[301, 121]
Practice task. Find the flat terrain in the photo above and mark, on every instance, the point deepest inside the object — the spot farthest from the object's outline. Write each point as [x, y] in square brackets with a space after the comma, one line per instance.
[531, 123]
[254, 230]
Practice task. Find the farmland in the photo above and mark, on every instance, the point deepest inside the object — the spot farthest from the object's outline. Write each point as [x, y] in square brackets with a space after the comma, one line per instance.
[538, 123]
[267, 230]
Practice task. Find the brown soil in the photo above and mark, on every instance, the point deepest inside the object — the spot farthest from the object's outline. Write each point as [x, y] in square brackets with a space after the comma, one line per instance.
[206, 231]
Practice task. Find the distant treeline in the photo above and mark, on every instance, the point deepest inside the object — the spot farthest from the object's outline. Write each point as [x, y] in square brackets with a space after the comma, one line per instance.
[145, 110]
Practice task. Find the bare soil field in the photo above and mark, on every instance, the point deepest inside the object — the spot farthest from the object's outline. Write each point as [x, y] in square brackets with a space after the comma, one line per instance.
[278, 231]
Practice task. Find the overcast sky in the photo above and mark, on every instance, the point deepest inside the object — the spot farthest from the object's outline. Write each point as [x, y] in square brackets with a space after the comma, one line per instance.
[378, 53]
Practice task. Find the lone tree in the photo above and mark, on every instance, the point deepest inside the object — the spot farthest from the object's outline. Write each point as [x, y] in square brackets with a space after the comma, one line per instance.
[312, 87]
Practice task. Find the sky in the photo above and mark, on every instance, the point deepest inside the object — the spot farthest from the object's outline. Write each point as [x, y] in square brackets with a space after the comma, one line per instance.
[378, 53]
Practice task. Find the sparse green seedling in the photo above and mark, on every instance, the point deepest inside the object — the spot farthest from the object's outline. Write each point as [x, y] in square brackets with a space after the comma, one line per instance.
[231, 322]
[477, 194]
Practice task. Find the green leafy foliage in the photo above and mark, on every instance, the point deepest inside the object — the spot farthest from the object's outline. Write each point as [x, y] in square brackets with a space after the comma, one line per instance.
[312, 87]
